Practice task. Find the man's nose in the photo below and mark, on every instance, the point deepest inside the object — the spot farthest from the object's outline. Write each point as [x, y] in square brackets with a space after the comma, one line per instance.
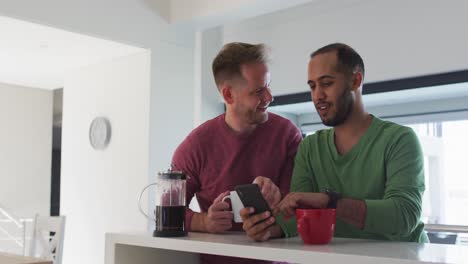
[268, 97]
[318, 94]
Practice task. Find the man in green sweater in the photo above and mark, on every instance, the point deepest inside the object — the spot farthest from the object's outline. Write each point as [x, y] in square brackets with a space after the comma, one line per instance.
[369, 169]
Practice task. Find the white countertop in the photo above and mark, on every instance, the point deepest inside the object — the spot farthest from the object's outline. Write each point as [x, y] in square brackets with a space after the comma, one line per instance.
[340, 250]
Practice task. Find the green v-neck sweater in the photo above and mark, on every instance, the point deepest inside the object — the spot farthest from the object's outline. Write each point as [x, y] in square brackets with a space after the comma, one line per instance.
[385, 169]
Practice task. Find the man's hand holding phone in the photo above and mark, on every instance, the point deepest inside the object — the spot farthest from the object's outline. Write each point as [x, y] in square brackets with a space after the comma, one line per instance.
[258, 221]
[270, 191]
[259, 227]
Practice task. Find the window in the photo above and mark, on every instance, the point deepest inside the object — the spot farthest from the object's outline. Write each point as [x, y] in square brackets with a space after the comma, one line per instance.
[444, 141]
[445, 146]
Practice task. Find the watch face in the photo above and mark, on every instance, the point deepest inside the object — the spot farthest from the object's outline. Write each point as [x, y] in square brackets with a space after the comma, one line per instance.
[100, 133]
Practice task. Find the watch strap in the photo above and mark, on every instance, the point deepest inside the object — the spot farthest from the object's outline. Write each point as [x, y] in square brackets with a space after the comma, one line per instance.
[333, 198]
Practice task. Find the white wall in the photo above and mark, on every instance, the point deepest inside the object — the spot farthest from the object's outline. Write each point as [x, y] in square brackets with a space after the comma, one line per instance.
[171, 110]
[170, 114]
[25, 155]
[99, 188]
[396, 38]
[136, 23]
[26, 149]
[208, 101]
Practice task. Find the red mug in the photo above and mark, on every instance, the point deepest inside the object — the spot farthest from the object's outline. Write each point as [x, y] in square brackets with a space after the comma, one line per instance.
[316, 226]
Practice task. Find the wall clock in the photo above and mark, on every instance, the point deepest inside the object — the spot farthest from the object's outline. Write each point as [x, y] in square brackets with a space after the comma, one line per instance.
[100, 133]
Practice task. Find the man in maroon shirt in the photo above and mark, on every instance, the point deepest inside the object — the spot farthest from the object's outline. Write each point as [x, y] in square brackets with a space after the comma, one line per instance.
[245, 144]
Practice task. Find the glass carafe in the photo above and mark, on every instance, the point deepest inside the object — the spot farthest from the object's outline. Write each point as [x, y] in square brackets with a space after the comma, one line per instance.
[170, 204]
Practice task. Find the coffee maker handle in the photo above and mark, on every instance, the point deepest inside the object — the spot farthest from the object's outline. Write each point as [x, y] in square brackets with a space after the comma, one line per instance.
[139, 201]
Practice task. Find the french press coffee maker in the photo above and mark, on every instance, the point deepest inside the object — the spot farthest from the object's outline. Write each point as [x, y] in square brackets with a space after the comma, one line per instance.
[170, 204]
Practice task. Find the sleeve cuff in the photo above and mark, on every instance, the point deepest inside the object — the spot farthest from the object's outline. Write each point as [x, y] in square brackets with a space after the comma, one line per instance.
[289, 227]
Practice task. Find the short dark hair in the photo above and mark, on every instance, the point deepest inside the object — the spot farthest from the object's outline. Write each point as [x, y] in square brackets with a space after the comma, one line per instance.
[226, 65]
[349, 61]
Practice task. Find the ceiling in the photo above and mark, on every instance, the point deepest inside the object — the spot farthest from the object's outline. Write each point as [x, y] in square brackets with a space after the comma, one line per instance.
[38, 56]
[210, 13]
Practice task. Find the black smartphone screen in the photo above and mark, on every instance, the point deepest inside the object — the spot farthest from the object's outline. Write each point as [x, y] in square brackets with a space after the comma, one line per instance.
[251, 196]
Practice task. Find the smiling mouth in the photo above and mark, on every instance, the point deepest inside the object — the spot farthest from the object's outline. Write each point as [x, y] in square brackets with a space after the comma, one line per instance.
[322, 108]
[263, 109]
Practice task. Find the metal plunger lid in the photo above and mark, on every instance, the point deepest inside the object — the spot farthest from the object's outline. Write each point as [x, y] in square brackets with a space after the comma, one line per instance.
[172, 174]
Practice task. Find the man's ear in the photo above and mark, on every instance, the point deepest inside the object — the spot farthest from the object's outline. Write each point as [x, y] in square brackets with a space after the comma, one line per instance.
[226, 92]
[357, 80]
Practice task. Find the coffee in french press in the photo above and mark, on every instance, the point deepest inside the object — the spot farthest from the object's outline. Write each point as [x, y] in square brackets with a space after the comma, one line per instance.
[170, 204]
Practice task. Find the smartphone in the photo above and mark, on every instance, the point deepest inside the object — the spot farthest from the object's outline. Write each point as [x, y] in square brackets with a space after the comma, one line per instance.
[251, 196]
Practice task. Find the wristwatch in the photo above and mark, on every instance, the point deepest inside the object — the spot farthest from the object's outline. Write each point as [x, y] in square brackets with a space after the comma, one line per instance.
[333, 198]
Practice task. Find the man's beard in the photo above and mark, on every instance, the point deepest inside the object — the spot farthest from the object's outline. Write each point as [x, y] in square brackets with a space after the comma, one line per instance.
[344, 107]
[252, 117]
[257, 118]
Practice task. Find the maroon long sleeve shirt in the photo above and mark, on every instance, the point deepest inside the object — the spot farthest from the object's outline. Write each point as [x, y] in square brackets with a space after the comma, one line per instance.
[217, 160]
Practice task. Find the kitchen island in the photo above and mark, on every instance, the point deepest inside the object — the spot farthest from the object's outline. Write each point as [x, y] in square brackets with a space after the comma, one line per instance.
[8, 258]
[142, 248]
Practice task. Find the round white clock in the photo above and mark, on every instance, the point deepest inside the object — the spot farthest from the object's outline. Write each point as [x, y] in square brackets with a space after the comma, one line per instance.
[100, 133]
